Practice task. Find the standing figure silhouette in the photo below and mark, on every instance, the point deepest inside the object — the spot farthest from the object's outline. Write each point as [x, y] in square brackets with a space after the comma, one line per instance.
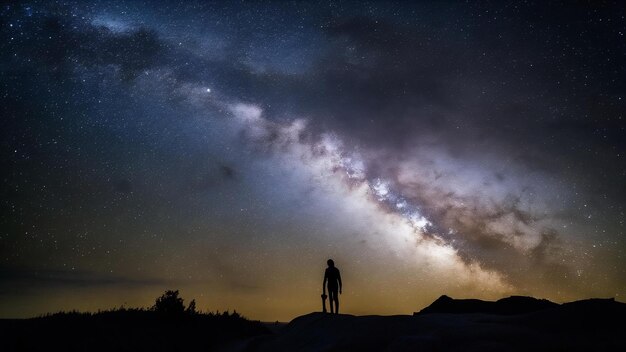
[333, 278]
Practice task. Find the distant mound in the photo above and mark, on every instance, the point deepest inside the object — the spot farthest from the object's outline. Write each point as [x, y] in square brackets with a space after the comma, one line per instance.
[510, 324]
[505, 306]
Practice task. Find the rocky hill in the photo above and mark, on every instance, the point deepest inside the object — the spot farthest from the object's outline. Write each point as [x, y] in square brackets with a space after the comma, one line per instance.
[510, 324]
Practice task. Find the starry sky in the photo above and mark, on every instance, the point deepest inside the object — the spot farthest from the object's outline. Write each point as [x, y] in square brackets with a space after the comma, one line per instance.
[228, 149]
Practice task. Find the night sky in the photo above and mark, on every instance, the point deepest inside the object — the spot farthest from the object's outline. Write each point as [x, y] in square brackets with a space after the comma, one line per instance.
[229, 149]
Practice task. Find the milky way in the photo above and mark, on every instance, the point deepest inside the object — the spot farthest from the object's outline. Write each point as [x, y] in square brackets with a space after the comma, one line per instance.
[229, 149]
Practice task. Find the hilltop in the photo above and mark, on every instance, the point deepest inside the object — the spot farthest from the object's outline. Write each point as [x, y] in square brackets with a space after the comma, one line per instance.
[511, 324]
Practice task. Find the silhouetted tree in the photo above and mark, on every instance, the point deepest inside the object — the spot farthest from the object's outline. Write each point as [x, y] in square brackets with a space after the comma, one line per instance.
[191, 308]
[169, 303]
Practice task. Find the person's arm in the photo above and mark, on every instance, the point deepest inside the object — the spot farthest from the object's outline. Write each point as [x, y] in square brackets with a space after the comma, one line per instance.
[324, 282]
[339, 279]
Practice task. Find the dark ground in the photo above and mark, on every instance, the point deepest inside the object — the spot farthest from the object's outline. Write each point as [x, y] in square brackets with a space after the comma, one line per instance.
[512, 324]
[130, 330]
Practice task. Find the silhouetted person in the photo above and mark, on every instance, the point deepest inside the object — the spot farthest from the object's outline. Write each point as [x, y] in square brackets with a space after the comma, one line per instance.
[333, 278]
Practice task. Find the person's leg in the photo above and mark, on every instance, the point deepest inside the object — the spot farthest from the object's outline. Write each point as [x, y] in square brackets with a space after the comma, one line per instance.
[336, 302]
[331, 298]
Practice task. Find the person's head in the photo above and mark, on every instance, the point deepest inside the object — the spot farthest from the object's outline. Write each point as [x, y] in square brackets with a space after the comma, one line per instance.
[330, 263]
